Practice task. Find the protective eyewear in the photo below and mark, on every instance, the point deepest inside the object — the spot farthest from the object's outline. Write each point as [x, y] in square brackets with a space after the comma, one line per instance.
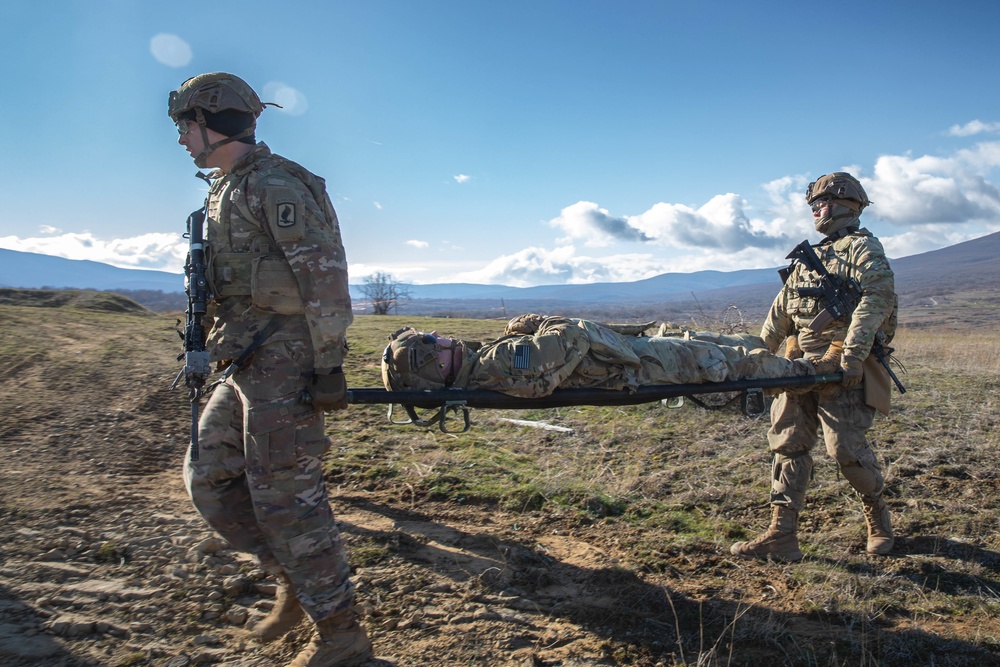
[820, 203]
[183, 125]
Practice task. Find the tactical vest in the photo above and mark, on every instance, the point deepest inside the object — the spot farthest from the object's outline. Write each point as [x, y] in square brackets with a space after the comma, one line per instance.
[804, 308]
[244, 258]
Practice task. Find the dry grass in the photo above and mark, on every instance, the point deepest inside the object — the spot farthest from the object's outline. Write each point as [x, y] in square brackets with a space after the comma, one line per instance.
[675, 487]
[664, 492]
[974, 352]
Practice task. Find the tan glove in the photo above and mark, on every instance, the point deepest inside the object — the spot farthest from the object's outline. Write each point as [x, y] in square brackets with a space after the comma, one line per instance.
[853, 370]
[327, 392]
[792, 349]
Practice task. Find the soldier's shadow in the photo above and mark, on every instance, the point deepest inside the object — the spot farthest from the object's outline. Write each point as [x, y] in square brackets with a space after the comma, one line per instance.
[19, 648]
[933, 573]
[615, 603]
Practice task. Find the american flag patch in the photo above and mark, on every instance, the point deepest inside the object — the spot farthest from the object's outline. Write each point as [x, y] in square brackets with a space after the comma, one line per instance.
[522, 357]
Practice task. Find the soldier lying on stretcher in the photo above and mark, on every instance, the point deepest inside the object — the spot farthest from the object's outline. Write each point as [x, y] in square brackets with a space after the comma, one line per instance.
[536, 355]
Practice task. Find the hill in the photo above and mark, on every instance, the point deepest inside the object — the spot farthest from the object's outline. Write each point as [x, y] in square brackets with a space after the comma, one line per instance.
[107, 302]
[34, 271]
[932, 287]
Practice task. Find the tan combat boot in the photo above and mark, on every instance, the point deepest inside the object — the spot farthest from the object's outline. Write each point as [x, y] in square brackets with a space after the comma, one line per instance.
[285, 614]
[880, 537]
[340, 642]
[779, 542]
[830, 361]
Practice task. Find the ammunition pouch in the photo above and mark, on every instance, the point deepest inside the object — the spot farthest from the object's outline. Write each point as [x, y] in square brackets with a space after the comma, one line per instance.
[265, 277]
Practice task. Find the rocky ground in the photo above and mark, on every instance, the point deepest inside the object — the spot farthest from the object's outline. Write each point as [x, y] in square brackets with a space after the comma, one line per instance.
[103, 560]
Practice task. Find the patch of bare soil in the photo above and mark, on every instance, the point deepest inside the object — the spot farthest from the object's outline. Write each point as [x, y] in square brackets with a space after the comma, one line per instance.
[103, 560]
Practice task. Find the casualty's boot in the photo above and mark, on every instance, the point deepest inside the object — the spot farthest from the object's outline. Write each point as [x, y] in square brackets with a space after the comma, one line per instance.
[779, 542]
[285, 614]
[880, 537]
[830, 361]
[340, 642]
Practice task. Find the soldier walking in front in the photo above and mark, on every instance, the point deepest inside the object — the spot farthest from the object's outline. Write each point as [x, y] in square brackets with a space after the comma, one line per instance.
[280, 306]
[841, 415]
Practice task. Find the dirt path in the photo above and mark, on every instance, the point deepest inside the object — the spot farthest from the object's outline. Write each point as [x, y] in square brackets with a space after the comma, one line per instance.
[103, 561]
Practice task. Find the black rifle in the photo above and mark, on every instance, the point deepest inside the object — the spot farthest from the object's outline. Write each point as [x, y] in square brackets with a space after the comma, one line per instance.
[196, 363]
[839, 295]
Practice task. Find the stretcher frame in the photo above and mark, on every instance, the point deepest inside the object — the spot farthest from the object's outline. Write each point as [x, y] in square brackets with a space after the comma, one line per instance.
[751, 394]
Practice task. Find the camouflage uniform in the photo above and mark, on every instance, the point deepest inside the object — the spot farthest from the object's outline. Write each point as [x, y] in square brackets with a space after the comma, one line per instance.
[841, 414]
[275, 251]
[561, 352]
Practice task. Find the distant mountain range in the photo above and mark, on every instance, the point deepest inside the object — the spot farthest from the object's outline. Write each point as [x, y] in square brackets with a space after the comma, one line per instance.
[34, 271]
[28, 270]
[969, 266]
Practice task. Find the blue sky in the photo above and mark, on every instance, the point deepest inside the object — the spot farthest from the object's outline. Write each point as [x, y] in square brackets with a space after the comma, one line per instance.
[516, 142]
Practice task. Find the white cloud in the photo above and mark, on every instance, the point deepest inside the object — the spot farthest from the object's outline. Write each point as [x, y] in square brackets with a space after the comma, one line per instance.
[930, 190]
[165, 252]
[721, 224]
[933, 201]
[972, 128]
[378, 205]
[587, 221]
[462, 178]
[413, 243]
[291, 100]
[170, 50]
[539, 266]
[562, 265]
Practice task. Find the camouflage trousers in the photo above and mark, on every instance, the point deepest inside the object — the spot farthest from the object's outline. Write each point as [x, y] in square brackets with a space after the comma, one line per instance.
[842, 418]
[258, 480]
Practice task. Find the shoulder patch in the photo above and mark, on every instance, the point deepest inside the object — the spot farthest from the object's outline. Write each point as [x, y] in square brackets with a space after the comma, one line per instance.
[286, 214]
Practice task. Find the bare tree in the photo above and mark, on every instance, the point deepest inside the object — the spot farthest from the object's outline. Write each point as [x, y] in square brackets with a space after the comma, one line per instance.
[385, 292]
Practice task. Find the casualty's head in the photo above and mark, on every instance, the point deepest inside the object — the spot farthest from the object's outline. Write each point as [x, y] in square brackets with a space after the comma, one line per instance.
[214, 109]
[836, 200]
[417, 360]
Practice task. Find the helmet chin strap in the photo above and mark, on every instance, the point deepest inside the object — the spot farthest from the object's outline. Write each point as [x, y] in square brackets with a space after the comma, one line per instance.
[200, 160]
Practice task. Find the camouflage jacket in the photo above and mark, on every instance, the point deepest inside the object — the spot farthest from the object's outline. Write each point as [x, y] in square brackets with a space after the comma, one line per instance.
[573, 353]
[275, 250]
[858, 255]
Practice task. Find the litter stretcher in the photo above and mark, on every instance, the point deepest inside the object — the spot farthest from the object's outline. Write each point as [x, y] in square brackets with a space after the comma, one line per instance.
[750, 393]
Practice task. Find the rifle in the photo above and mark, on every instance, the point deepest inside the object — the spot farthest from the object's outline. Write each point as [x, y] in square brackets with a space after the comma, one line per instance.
[840, 296]
[452, 400]
[196, 362]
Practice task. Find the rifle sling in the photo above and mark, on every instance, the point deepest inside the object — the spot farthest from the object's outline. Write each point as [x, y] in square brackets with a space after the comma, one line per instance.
[259, 339]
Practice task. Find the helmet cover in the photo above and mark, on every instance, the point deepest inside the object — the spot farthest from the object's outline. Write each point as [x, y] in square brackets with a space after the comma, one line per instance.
[840, 187]
[214, 92]
[415, 360]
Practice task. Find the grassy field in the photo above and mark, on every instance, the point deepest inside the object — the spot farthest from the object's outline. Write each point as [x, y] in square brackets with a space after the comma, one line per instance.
[675, 487]
[660, 493]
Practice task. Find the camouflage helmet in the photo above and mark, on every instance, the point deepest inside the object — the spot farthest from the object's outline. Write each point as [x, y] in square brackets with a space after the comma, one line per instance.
[214, 92]
[841, 187]
[411, 360]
